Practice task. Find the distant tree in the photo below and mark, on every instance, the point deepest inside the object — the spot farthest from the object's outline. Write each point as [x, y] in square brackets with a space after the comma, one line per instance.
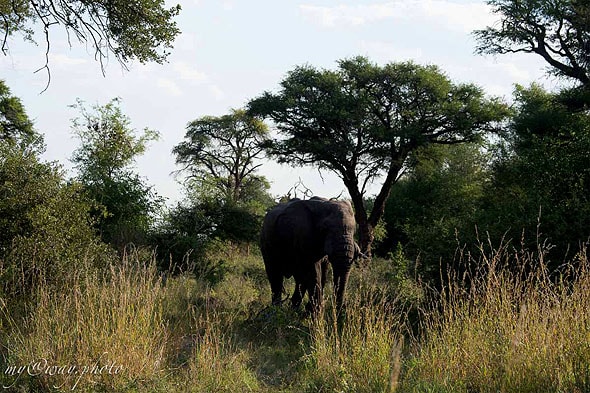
[556, 30]
[220, 154]
[227, 198]
[108, 149]
[142, 29]
[15, 125]
[362, 121]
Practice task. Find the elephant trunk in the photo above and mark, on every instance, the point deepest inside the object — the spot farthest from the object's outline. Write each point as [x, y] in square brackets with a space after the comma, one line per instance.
[341, 274]
[341, 258]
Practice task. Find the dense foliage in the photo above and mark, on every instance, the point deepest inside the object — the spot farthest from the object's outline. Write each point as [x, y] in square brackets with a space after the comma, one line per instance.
[47, 232]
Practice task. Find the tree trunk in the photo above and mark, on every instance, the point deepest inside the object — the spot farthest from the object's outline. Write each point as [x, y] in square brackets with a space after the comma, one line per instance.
[360, 214]
[366, 222]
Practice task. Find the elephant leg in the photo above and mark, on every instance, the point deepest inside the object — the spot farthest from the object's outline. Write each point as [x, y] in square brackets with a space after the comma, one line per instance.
[276, 285]
[297, 294]
[315, 289]
[324, 264]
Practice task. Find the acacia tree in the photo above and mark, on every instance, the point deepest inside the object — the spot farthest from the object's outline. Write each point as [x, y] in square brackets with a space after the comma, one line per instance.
[221, 154]
[556, 30]
[363, 120]
[141, 29]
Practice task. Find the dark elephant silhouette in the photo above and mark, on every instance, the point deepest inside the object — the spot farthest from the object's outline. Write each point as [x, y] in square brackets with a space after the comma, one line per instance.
[299, 238]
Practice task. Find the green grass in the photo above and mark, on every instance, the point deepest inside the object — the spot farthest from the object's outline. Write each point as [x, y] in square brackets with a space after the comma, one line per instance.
[493, 330]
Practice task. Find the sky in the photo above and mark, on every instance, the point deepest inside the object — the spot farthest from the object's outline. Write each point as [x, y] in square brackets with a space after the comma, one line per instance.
[232, 51]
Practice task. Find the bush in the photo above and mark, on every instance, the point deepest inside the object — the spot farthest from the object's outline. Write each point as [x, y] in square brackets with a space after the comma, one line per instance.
[46, 225]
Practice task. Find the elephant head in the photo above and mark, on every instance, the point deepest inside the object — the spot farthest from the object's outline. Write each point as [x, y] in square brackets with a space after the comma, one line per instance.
[299, 237]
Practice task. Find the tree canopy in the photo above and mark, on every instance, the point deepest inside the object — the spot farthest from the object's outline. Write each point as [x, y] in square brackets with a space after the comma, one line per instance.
[556, 30]
[221, 154]
[363, 120]
[140, 30]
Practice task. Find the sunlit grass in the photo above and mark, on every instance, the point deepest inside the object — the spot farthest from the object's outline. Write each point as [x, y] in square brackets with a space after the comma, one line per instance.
[505, 326]
[514, 328]
[113, 319]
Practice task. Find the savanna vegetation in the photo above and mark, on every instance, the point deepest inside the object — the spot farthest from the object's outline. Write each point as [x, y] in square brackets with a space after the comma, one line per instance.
[479, 279]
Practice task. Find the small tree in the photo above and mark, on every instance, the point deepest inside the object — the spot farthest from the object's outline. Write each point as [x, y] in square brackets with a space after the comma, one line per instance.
[362, 121]
[109, 147]
[45, 224]
[221, 156]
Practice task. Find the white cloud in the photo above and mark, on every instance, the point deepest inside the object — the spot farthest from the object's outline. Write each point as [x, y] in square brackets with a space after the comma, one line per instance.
[463, 17]
[513, 71]
[65, 61]
[389, 51]
[186, 72]
[217, 93]
[169, 86]
[347, 15]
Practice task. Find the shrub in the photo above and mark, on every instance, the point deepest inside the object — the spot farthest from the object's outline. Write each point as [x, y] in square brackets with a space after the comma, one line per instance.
[46, 225]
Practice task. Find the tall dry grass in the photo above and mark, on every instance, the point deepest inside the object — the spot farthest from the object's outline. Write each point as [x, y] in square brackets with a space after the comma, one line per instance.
[509, 326]
[357, 351]
[105, 330]
[124, 329]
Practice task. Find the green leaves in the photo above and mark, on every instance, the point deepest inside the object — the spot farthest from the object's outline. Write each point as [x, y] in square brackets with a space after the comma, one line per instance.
[557, 30]
[221, 154]
[46, 226]
[108, 149]
[141, 30]
[108, 144]
[340, 118]
[15, 125]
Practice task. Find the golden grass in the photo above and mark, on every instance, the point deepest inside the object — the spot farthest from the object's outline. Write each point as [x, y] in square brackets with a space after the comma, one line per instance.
[495, 329]
[357, 351]
[109, 327]
[508, 331]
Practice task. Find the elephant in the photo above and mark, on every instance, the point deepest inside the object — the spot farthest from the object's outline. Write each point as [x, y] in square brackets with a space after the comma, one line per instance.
[299, 238]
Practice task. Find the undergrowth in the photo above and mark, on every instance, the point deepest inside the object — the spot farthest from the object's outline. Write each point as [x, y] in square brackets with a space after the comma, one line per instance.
[502, 323]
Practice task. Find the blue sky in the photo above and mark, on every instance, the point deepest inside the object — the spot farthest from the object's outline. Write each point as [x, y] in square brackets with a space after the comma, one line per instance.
[232, 51]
